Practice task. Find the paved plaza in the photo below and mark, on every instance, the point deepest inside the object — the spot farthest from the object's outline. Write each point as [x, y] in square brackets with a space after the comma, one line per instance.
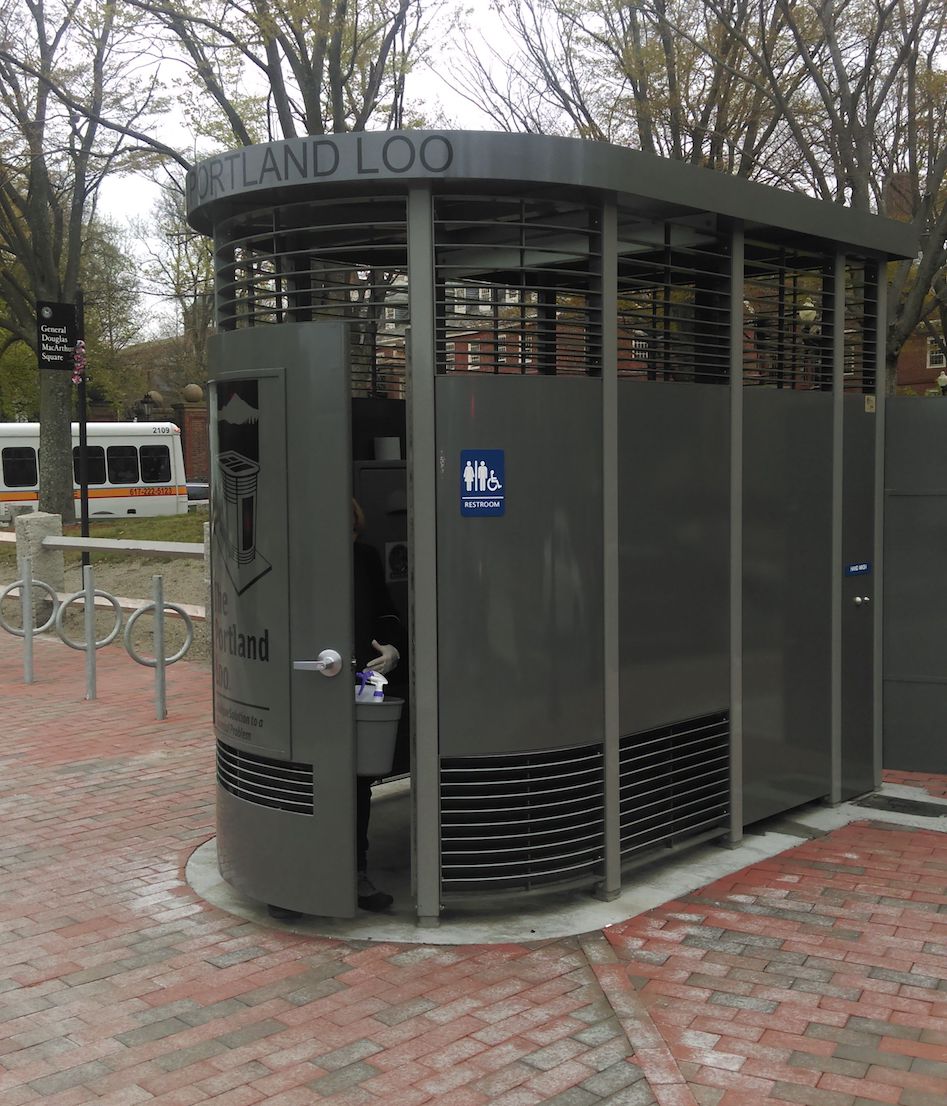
[817, 976]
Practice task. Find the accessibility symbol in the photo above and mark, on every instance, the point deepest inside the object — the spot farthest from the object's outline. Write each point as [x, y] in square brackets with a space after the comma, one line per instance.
[482, 482]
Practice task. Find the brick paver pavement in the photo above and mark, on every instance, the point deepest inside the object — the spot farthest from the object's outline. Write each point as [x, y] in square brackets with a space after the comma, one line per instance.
[818, 977]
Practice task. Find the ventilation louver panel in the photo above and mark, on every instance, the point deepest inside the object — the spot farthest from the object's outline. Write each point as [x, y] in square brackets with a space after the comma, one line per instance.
[280, 784]
[675, 783]
[520, 821]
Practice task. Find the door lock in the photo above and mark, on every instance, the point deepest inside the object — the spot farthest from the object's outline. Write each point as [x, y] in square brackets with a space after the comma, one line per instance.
[859, 599]
[329, 663]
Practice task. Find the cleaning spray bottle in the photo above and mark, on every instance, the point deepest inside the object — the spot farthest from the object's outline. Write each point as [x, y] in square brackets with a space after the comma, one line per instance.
[369, 686]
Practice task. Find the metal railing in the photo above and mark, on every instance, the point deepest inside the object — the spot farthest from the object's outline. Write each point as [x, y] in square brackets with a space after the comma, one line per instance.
[90, 643]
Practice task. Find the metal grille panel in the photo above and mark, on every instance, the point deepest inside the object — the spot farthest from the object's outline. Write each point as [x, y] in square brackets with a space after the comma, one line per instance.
[343, 258]
[675, 783]
[280, 784]
[861, 326]
[518, 290]
[518, 286]
[673, 302]
[788, 319]
[521, 821]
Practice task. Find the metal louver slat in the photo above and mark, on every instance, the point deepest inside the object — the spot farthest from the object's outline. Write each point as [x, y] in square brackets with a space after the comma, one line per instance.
[258, 780]
[264, 781]
[674, 783]
[521, 821]
[267, 772]
[534, 823]
[554, 783]
[503, 771]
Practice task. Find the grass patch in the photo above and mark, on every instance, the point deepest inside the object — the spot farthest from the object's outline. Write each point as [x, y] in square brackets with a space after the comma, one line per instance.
[186, 528]
[189, 527]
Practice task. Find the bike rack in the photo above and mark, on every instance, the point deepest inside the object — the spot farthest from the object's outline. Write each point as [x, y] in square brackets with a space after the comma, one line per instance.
[87, 596]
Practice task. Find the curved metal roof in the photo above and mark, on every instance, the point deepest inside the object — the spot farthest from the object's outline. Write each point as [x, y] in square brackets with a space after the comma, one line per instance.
[303, 168]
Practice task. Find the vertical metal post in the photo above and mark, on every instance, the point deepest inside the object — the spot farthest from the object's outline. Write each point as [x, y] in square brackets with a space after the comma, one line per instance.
[610, 886]
[26, 603]
[737, 277]
[881, 324]
[82, 403]
[158, 594]
[88, 613]
[838, 462]
[422, 531]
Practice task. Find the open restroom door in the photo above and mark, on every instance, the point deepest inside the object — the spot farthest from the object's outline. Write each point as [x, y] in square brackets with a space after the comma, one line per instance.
[281, 564]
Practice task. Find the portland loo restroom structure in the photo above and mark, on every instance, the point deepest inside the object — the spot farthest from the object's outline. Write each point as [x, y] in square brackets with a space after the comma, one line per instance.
[634, 533]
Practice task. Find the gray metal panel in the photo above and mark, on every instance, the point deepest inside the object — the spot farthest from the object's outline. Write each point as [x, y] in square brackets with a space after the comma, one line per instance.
[914, 714]
[916, 446]
[858, 543]
[272, 856]
[304, 599]
[674, 450]
[787, 599]
[915, 653]
[293, 168]
[520, 596]
[915, 594]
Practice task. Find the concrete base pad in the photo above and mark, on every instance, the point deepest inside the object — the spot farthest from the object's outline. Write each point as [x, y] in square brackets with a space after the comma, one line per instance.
[556, 914]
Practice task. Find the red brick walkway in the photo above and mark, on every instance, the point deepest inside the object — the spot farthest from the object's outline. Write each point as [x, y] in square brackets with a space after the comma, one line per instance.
[819, 977]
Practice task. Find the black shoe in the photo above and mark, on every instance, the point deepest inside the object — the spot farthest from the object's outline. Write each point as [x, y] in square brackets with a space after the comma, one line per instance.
[369, 897]
[283, 913]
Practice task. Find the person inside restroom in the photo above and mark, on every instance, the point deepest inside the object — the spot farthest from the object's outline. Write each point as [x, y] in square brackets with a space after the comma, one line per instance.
[377, 635]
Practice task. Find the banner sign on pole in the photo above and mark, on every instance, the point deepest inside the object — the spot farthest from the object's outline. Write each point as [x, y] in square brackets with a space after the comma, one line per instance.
[56, 334]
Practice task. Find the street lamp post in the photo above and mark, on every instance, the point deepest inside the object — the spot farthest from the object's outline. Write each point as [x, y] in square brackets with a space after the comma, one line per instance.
[807, 314]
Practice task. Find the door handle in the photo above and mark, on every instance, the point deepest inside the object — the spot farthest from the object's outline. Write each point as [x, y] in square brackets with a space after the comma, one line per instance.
[859, 599]
[329, 663]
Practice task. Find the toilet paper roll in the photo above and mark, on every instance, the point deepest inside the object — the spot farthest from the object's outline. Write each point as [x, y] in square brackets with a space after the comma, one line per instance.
[387, 449]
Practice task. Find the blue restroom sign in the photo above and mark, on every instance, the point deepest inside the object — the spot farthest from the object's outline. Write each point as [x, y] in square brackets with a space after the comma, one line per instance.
[482, 482]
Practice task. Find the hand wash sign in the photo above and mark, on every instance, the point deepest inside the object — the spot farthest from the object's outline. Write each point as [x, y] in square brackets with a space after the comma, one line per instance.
[482, 482]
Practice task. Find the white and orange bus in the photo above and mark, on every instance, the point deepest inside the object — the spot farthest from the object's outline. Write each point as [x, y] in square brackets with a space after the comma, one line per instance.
[134, 468]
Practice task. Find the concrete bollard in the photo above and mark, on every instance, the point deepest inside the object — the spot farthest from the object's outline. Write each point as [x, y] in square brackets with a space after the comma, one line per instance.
[18, 509]
[48, 564]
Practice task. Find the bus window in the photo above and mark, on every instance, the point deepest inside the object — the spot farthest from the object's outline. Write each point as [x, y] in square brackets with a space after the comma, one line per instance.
[95, 463]
[123, 464]
[155, 464]
[19, 466]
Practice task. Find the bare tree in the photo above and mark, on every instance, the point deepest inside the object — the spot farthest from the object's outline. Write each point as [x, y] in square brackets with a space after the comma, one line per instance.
[53, 157]
[865, 110]
[835, 98]
[626, 73]
[280, 68]
[72, 106]
[179, 276]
